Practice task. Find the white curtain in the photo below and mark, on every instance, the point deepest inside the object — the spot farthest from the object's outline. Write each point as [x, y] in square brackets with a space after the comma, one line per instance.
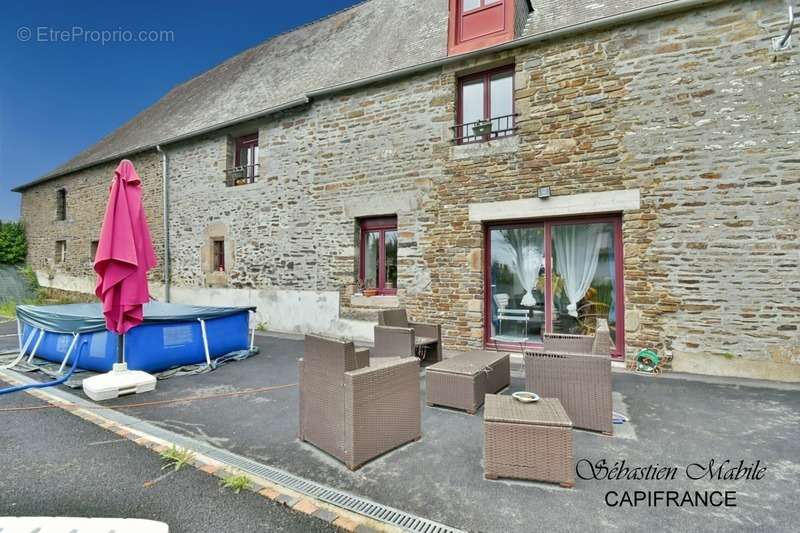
[520, 250]
[529, 263]
[577, 251]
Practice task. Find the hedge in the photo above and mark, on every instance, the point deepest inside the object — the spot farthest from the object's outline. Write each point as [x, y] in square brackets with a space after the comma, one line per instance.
[13, 246]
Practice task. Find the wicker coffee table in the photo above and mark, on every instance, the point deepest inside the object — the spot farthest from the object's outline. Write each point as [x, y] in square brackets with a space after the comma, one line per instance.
[527, 441]
[463, 380]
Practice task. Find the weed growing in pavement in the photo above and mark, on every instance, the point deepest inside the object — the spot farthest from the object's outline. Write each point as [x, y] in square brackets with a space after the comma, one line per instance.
[237, 483]
[176, 458]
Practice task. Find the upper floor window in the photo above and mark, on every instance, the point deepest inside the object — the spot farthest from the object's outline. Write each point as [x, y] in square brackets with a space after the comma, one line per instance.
[61, 204]
[485, 107]
[245, 161]
[476, 24]
[93, 249]
[378, 264]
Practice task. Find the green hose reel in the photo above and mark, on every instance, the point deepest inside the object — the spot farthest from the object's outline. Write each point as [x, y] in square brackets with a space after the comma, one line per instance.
[647, 361]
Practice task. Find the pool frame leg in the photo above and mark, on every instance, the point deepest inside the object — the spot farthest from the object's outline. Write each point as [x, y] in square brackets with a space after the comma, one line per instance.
[36, 346]
[205, 340]
[22, 351]
[252, 331]
[69, 352]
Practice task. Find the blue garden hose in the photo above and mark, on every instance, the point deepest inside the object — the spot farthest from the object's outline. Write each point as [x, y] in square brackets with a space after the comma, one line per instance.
[49, 384]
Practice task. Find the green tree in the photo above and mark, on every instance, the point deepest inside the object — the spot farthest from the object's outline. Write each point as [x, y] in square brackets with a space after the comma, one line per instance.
[13, 246]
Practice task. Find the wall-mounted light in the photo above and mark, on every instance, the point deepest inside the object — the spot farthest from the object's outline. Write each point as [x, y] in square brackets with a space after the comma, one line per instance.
[544, 193]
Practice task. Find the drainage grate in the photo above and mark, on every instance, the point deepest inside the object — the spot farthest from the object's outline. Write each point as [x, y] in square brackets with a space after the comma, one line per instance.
[339, 498]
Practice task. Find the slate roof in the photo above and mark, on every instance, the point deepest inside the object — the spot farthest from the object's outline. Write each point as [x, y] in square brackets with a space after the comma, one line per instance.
[368, 39]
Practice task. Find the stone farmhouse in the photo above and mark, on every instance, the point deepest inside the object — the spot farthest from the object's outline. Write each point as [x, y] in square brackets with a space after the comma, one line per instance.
[501, 167]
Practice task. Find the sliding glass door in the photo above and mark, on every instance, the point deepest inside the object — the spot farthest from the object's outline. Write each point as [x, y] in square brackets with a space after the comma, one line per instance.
[517, 284]
[558, 276]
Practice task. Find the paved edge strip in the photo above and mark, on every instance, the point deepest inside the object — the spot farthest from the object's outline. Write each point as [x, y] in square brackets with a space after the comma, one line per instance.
[343, 519]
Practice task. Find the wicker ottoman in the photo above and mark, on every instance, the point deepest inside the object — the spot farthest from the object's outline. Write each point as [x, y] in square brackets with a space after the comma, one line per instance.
[464, 380]
[527, 441]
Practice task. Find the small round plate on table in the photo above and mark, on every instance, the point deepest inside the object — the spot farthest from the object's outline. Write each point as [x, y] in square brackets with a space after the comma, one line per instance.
[526, 397]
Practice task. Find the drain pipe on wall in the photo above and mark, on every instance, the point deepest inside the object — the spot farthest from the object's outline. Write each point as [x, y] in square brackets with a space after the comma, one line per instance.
[165, 216]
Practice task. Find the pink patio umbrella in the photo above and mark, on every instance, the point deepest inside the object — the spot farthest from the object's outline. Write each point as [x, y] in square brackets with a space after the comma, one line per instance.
[124, 256]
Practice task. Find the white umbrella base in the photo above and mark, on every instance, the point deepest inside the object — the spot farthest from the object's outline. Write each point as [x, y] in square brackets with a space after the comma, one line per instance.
[80, 525]
[118, 382]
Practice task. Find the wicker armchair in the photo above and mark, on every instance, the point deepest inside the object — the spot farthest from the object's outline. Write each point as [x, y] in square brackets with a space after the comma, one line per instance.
[353, 408]
[599, 343]
[395, 336]
[576, 369]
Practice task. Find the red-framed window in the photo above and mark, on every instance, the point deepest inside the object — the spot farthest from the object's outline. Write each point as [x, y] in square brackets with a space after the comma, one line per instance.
[485, 105]
[476, 24]
[378, 254]
[245, 161]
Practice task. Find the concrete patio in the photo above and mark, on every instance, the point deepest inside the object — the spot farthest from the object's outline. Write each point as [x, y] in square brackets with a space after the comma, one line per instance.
[674, 421]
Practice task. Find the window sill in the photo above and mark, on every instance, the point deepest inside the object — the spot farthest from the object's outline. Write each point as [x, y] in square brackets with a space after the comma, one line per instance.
[502, 145]
[217, 280]
[381, 302]
[251, 181]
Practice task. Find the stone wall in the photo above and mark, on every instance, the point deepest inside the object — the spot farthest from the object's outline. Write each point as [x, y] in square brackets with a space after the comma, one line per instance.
[87, 195]
[362, 154]
[693, 111]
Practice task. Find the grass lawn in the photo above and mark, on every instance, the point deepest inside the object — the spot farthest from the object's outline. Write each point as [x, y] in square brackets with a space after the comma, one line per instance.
[45, 296]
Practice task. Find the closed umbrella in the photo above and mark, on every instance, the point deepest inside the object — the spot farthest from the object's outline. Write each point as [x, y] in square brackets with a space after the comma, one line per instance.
[124, 256]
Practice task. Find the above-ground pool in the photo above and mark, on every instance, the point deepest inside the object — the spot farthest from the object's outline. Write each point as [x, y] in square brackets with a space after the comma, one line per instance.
[172, 335]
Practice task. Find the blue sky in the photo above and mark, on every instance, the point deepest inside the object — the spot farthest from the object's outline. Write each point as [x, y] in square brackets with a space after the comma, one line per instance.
[59, 95]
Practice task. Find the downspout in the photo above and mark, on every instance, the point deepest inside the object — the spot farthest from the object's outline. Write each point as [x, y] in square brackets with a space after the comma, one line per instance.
[165, 210]
[784, 43]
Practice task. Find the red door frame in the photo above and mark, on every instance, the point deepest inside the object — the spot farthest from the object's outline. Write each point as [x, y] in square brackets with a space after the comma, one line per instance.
[547, 225]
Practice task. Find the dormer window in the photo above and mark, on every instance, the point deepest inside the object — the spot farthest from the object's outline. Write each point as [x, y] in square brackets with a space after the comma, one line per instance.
[476, 24]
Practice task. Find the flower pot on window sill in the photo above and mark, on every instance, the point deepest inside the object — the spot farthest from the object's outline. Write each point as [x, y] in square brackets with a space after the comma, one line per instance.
[370, 292]
[482, 128]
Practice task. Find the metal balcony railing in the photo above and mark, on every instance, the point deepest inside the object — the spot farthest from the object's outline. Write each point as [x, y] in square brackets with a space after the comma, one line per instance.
[485, 130]
[241, 175]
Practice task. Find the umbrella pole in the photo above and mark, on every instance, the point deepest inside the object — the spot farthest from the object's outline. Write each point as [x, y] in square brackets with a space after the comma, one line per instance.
[120, 349]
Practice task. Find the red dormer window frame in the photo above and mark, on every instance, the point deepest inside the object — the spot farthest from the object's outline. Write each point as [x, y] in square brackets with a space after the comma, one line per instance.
[458, 45]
